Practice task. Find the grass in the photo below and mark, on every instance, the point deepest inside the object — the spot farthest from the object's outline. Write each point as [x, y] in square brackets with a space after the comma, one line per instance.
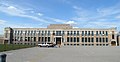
[7, 47]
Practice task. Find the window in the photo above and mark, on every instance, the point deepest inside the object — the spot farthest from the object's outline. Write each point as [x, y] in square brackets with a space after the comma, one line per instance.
[48, 39]
[78, 44]
[92, 39]
[88, 33]
[63, 32]
[71, 39]
[85, 33]
[100, 39]
[106, 33]
[38, 32]
[21, 39]
[82, 39]
[103, 32]
[77, 32]
[67, 39]
[45, 32]
[92, 33]
[82, 33]
[31, 32]
[58, 33]
[106, 39]
[103, 40]
[25, 38]
[71, 32]
[89, 39]
[74, 32]
[39, 39]
[67, 44]
[48, 33]
[74, 39]
[77, 39]
[96, 39]
[96, 33]
[113, 36]
[28, 38]
[67, 32]
[34, 39]
[85, 39]
[42, 32]
[100, 32]
[42, 39]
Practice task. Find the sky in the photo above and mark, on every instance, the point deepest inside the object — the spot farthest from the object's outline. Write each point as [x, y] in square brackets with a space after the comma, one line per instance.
[78, 13]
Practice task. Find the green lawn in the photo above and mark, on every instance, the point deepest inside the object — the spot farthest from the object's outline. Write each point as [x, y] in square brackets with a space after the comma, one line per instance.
[8, 47]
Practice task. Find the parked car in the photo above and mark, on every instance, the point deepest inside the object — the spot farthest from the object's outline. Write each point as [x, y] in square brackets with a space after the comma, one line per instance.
[51, 45]
[43, 45]
[47, 45]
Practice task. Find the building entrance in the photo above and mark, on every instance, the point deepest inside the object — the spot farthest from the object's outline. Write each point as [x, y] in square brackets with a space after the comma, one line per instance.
[58, 40]
[113, 43]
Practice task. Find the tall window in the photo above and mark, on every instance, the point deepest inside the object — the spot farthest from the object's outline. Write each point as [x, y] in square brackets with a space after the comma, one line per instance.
[58, 33]
[92, 39]
[34, 39]
[71, 32]
[74, 39]
[82, 33]
[42, 32]
[34, 32]
[103, 39]
[106, 33]
[96, 39]
[100, 32]
[48, 39]
[106, 39]
[67, 39]
[100, 39]
[45, 32]
[77, 32]
[103, 32]
[82, 39]
[89, 39]
[48, 33]
[85, 33]
[96, 33]
[113, 37]
[67, 32]
[63, 32]
[74, 32]
[92, 33]
[71, 39]
[31, 32]
[85, 39]
[77, 39]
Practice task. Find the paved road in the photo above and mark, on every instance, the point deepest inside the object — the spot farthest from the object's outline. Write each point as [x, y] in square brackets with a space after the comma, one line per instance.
[65, 54]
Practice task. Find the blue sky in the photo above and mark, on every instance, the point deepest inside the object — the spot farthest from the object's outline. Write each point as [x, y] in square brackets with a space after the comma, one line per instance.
[78, 13]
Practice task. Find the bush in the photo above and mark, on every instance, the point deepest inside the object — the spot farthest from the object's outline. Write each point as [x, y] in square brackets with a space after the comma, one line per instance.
[7, 47]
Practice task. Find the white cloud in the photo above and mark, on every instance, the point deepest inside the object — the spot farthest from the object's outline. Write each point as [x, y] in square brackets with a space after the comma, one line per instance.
[101, 17]
[71, 22]
[40, 14]
[21, 12]
[2, 21]
[57, 20]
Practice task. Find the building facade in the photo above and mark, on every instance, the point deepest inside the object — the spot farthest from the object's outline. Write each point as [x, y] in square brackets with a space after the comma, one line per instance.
[1, 40]
[63, 34]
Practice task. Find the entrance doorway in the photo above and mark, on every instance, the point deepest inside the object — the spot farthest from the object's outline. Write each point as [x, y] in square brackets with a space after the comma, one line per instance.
[113, 43]
[58, 40]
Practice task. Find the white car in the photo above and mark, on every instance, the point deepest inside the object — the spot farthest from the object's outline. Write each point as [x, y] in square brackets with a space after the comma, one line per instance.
[43, 45]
